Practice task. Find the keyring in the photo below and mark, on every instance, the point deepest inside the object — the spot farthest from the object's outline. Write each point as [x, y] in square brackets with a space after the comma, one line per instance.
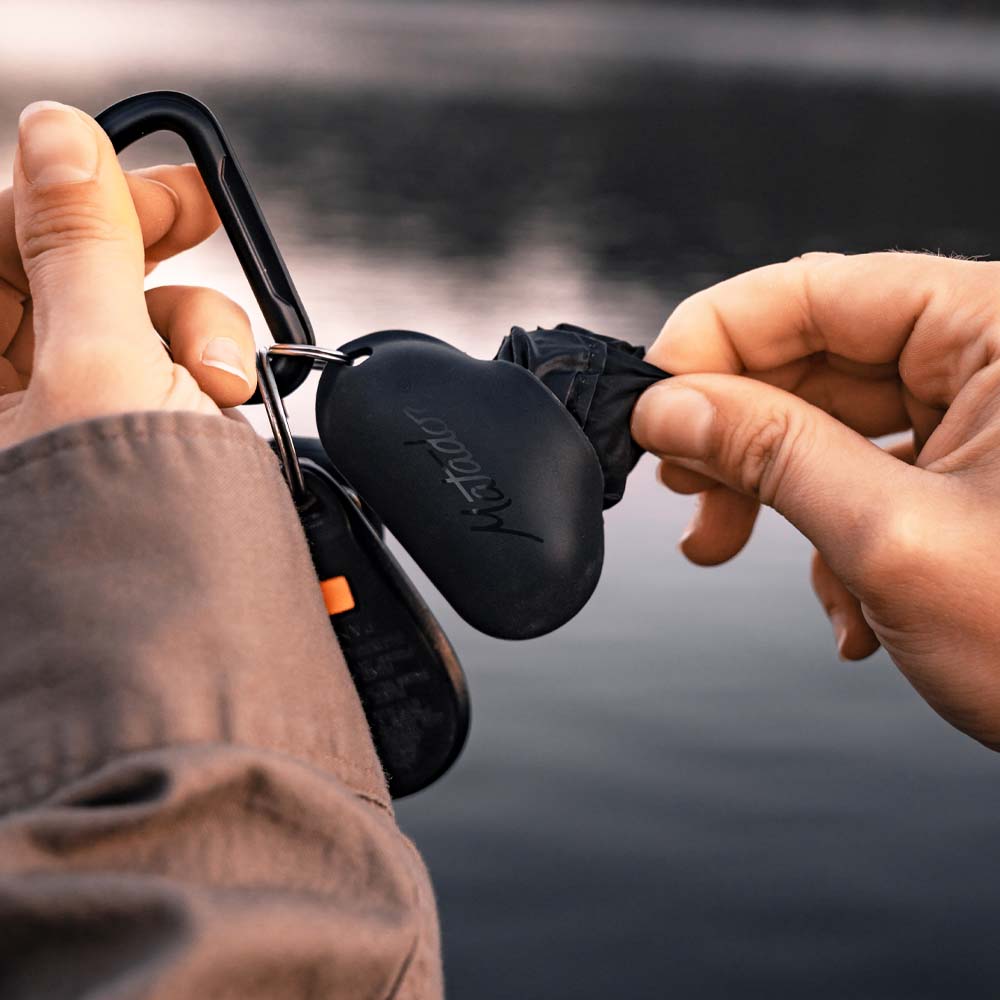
[274, 407]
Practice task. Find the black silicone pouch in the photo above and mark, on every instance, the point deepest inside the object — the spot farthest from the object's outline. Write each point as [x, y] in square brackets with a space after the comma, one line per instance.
[405, 670]
[479, 471]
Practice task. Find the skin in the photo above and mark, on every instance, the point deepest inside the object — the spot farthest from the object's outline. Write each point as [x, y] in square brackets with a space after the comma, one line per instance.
[78, 333]
[785, 373]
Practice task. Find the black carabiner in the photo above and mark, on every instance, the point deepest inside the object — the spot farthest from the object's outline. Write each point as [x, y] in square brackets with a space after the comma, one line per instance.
[262, 263]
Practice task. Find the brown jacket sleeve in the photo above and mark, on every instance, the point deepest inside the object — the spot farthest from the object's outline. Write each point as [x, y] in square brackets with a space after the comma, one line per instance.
[190, 803]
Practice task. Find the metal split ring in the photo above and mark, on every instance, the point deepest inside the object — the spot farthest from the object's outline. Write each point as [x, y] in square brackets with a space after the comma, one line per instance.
[277, 415]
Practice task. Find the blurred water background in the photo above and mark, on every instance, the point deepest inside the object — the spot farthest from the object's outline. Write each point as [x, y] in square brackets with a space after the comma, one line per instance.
[683, 792]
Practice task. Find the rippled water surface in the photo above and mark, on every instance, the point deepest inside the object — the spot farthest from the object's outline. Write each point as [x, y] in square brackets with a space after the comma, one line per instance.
[682, 792]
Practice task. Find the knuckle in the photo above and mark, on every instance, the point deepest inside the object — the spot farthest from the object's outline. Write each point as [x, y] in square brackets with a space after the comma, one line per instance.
[807, 270]
[58, 228]
[763, 455]
[83, 361]
[680, 318]
[195, 302]
[212, 303]
[815, 257]
[238, 315]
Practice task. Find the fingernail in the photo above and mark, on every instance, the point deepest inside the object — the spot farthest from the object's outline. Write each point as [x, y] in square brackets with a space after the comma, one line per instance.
[839, 622]
[675, 420]
[225, 354]
[57, 145]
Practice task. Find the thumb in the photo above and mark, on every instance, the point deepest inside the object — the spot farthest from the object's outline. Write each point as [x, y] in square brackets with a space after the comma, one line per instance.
[829, 481]
[81, 245]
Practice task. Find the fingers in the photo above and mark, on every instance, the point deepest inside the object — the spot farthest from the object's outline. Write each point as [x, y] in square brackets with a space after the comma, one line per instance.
[872, 403]
[157, 206]
[20, 351]
[723, 520]
[852, 633]
[210, 336]
[918, 310]
[722, 524]
[861, 307]
[8, 400]
[680, 480]
[10, 378]
[831, 482]
[194, 217]
[175, 213]
[924, 419]
[81, 246]
[905, 451]
[167, 200]
[11, 314]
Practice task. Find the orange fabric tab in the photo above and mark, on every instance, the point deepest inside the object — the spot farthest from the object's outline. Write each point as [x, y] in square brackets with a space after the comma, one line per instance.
[337, 595]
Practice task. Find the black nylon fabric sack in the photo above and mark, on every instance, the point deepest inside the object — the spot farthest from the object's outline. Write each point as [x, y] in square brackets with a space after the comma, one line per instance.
[598, 379]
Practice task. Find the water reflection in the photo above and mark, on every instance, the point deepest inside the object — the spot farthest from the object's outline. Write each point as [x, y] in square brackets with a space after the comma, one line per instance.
[682, 792]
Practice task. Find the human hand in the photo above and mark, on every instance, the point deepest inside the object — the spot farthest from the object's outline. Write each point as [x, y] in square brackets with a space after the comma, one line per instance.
[840, 349]
[78, 334]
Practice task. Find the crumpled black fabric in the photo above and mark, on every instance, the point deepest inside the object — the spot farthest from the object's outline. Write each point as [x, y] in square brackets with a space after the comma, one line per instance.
[598, 379]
